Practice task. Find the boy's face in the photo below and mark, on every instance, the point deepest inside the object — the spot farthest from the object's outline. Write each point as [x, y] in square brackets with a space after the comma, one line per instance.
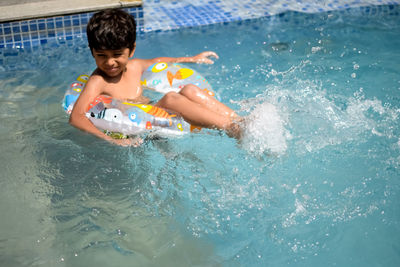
[112, 62]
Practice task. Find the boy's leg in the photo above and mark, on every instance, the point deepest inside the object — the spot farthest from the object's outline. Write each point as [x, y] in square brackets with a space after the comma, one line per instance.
[193, 112]
[195, 94]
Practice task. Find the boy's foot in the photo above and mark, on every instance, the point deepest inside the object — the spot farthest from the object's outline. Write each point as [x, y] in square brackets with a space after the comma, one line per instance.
[235, 129]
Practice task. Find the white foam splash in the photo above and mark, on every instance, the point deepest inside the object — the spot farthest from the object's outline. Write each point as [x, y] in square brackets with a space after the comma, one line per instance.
[305, 117]
[265, 131]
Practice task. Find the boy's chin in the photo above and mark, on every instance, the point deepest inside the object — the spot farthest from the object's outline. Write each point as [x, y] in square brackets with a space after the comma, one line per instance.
[112, 74]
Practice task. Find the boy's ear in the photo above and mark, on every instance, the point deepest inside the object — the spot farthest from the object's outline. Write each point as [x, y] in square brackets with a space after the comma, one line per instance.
[133, 50]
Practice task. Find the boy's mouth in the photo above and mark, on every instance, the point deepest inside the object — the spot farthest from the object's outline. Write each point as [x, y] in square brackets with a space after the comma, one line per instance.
[111, 70]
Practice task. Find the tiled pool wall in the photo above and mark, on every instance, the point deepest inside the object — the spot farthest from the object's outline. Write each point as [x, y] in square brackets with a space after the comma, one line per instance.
[162, 15]
[172, 14]
[35, 32]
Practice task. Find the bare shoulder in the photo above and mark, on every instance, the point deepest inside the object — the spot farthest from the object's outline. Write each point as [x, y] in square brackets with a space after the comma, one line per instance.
[141, 64]
[96, 81]
[96, 76]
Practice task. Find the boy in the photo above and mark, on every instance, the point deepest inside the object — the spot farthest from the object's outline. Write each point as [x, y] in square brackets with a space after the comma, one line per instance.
[111, 36]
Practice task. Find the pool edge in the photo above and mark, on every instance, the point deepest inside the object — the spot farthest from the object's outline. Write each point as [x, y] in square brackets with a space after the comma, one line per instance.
[10, 12]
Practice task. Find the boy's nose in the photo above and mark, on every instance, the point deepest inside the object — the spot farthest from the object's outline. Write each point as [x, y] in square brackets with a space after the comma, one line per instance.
[110, 61]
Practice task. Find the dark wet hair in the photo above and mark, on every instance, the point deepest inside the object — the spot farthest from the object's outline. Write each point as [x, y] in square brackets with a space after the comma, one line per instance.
[111, 29]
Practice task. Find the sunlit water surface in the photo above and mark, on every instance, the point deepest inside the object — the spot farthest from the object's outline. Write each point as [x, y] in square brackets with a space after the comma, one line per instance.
[314, 182]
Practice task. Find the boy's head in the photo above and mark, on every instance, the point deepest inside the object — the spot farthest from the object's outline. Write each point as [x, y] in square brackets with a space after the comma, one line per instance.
[111, 29]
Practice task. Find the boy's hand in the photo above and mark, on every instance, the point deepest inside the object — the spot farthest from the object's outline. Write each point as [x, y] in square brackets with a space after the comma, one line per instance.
[202, 58]
[133, 141]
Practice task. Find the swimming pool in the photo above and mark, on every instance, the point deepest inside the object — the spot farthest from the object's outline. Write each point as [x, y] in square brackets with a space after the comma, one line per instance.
[314, 183]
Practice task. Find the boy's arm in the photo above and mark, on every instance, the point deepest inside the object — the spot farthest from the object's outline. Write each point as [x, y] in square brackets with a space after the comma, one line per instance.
[78, 116]
[202, 58]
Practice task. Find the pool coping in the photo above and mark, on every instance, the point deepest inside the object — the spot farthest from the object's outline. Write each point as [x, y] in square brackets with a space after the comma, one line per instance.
[10, 10]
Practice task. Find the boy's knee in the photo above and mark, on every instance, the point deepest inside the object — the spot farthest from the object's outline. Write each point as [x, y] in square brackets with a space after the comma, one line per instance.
[190, 90]
[170, 99]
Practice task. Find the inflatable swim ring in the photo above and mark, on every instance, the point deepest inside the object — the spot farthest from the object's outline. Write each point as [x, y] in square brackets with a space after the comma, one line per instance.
[113, 115]
[165, 78]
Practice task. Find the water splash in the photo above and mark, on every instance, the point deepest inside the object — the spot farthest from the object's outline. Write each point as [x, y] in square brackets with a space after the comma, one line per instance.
[265, 131]
[305, 116]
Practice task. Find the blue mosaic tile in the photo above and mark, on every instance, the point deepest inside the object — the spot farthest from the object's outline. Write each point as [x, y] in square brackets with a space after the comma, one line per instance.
[41, 25]
[26, 37]
[220, 11]
[67, 22]
[34, 35]
[52, 30]
[7, 30]
[156, 15]
[16, 29]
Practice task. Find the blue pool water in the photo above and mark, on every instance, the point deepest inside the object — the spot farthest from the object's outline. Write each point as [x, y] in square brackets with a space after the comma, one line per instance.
[314, 182]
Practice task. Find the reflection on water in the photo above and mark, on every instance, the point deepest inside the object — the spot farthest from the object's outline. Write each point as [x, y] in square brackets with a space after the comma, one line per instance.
[26, 228]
